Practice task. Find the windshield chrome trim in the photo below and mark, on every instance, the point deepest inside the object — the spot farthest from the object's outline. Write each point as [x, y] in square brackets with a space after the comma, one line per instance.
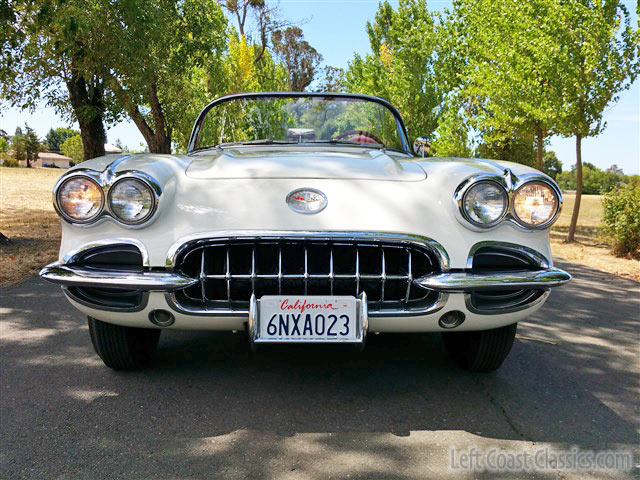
[330, 95]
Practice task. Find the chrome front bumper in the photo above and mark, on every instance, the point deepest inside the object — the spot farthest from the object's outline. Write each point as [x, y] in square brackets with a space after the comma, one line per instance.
[78, 276]
[166, 281]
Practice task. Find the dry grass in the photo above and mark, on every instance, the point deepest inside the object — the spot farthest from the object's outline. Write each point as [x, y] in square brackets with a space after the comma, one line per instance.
[28, 219]
[589, 249]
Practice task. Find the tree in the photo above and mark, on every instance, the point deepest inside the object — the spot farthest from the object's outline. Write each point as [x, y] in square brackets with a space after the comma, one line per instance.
[72, 148]
[25, 145]
[401, 67]
[49, 54]
[299, 58]
[452, 134]
[158, 53]
[18, 145]
[255, 18]
[600, 59]
[333, 81]
[56, 137]
[517, 149]
[510, 68]
[4, 147]
[552, 166]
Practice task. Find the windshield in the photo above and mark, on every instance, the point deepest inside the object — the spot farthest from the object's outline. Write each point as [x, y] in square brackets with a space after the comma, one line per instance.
[308, 119]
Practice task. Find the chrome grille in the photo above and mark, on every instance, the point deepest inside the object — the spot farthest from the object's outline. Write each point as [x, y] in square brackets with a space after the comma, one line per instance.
[230, 270]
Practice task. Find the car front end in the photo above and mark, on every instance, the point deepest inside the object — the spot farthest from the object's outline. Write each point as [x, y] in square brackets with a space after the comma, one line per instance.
[239, 236]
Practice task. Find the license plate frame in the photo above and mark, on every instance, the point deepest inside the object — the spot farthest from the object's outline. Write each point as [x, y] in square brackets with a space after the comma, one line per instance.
[256, 326]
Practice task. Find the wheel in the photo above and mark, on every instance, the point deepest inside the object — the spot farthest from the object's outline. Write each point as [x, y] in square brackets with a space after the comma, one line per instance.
[123, 348]
[482, 351]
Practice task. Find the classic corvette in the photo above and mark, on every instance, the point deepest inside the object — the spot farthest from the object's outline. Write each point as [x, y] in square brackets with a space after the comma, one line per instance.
[304, 217]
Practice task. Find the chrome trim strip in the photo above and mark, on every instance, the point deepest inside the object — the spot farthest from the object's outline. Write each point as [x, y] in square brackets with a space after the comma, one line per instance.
[467, 281]
[76, 253]
[171, 300]
[537, 301]
[194, 240]
[538, 258]
[511, 184]
[252, 324]
[70, 275]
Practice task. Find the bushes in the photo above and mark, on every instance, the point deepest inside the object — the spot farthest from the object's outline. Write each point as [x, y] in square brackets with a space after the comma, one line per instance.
[621, 219]
[10, 162]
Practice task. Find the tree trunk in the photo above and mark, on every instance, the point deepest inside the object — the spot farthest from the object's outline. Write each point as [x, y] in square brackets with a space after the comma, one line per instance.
[158, 138]
[539, 163]
[28, 162]
[93, 137]
[88, 107]
[576, 205]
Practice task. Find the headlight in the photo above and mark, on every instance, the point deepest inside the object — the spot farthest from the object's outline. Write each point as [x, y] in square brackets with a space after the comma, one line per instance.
[80, 199]
[535, 204]
[485, 203]
[131, 200]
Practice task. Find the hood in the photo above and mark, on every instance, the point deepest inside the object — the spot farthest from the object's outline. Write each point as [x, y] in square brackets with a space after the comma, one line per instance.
[346, 163]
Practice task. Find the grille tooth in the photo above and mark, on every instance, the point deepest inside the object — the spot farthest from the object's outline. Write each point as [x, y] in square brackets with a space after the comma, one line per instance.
[229, 271]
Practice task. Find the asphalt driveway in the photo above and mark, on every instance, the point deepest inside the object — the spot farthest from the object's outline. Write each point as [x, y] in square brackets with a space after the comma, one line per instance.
[209, 409]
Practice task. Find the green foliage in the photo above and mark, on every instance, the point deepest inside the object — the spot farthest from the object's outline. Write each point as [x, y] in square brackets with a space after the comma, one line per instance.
[4, 157]
[401, 67]
[599, 58]
[72, 148]
[333, 80]
[25, 145]
[509, 67]
[552, 166]
[158, 54]
[10, 162]
[594, 180]
[452, 135]
[56, 137]
[511, 149]
[51, 53]
[621, 219]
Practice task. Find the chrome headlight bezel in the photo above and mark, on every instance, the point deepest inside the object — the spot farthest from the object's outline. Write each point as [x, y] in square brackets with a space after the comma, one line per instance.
[511, 184]
[105, 181]
[61, 211]
[541, 226]
[469, 188]
[146, 185]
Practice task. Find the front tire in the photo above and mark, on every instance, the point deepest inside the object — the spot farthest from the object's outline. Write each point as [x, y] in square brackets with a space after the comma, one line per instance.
[482, 351]
[123, 348]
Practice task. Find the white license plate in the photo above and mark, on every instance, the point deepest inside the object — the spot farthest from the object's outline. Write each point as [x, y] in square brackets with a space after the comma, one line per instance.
[310, 319]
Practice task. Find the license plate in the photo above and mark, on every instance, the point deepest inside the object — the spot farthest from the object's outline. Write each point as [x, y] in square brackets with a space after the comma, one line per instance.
[313, 319]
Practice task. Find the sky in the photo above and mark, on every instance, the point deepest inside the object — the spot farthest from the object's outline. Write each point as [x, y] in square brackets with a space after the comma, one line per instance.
[336, 28]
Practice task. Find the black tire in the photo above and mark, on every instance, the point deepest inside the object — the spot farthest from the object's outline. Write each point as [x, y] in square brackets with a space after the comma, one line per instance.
[123, 348]
[482, 351]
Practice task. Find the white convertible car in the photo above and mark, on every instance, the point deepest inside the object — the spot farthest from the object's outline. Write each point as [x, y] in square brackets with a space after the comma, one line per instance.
[304, 217]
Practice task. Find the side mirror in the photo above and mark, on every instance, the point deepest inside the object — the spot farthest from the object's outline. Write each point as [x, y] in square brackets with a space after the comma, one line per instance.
[421, 146]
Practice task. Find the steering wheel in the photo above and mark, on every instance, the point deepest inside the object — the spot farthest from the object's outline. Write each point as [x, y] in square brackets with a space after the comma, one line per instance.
[360, 136]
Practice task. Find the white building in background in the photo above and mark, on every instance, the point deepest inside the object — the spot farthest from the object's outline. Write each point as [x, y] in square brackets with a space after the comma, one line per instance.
[108, 149]
[48, 159]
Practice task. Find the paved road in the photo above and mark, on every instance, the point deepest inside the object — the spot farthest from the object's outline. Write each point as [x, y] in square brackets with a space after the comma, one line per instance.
[208, 409]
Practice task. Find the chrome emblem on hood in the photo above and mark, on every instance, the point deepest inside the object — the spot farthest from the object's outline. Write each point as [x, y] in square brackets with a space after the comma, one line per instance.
[307, 200]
